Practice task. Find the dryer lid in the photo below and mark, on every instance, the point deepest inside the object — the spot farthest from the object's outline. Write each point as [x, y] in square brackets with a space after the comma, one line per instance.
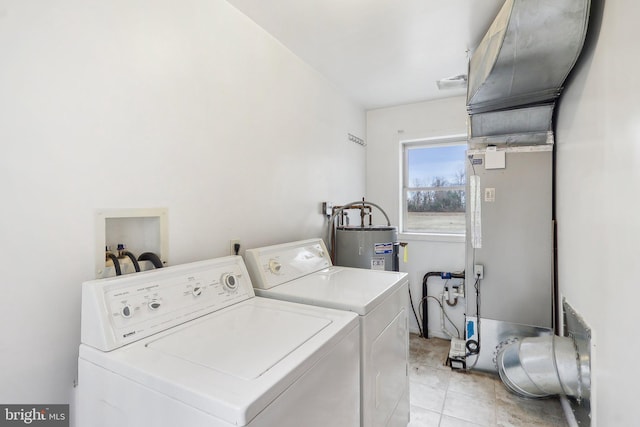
[343, 288]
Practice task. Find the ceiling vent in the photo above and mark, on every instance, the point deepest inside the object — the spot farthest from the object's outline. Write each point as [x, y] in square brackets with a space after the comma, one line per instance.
[454, 82]
[517, 72]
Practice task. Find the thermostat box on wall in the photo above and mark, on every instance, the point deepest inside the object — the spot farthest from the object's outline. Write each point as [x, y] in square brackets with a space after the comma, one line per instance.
[140, 230]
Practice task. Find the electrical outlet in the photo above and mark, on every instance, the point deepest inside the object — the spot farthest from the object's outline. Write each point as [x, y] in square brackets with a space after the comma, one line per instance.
[327, 208]
[232, 246]
[478, 271]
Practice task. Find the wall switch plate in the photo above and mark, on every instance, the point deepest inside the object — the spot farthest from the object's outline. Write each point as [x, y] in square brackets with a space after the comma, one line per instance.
[490, 195]
[478, 271]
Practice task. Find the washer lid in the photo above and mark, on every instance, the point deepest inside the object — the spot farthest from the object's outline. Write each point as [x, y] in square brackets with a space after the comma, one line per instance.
[244, 342]
[234, 362]
[343, 288]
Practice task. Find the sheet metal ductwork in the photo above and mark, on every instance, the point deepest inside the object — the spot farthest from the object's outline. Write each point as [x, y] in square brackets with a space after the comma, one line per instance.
[517, 72]
[545, 366]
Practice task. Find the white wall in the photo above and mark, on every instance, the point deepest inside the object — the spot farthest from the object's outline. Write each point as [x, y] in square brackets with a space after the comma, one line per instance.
[130, 104]
[386, 129]
[598, 173]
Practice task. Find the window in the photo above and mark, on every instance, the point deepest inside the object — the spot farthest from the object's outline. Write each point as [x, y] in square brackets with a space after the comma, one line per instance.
[434, 187]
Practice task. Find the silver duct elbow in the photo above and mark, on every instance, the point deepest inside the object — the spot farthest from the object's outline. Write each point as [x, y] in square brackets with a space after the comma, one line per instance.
[543, 366]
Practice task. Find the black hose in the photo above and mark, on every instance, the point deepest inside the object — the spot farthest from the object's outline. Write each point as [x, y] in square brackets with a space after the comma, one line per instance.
[425, 311]
[132, 257]
[150, 256]
[414, 312]
[116, 263]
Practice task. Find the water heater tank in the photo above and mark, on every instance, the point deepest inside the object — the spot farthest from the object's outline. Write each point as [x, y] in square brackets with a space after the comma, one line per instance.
[372, 247]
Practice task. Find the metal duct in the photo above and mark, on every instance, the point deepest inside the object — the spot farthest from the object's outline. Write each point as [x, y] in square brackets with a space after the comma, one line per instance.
[543, 366]
[523, 61]
[524, 126]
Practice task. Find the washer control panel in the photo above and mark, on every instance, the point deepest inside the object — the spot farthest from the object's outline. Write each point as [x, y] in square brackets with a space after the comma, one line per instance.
[123, 309]
[274, 265]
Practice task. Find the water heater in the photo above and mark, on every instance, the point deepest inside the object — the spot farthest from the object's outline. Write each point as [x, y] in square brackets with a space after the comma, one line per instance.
[371, 247]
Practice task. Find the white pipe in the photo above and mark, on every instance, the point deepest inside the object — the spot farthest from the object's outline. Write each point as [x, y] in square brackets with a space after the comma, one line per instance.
[442, 325]
[568, 412]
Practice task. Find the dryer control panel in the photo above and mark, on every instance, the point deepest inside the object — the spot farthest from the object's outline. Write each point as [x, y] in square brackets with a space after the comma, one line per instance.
[124, 309]
[274, 265]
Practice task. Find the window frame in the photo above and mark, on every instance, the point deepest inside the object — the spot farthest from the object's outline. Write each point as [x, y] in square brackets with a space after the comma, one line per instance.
[405, 188]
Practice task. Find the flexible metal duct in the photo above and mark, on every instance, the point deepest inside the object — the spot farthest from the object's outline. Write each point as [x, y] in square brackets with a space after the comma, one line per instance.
[542, 366]
[523, 61]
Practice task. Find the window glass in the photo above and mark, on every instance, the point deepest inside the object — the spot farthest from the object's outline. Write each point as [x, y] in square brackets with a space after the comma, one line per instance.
[434, 188]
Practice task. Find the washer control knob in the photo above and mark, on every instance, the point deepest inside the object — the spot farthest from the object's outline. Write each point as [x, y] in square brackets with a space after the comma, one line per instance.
[126, 311]
[229, 281]
[274, 266]
[197, 291]
[154, 304]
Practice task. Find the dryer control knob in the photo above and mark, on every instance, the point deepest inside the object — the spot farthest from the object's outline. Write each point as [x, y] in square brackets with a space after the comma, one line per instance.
[197, 291]
[126, 311]
[274, 266]
[154, 304]
[229, 281]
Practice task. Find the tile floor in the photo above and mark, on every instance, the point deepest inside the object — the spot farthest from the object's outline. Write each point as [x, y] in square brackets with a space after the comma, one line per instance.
[441, 397]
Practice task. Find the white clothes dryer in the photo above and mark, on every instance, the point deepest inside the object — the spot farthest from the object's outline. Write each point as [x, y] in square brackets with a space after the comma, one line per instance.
[192, 345]
[302, 272]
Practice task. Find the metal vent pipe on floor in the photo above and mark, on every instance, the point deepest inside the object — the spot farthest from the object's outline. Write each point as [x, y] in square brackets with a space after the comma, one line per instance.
[544, 366]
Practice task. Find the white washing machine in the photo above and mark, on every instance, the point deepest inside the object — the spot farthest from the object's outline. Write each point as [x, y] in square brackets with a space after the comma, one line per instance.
[302, 272]
[192, 345]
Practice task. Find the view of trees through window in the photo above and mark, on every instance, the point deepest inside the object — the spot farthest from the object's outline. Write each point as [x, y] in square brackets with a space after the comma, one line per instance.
[435, 188]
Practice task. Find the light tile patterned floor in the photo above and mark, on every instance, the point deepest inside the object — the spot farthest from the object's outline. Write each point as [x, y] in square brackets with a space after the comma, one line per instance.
[441, 397]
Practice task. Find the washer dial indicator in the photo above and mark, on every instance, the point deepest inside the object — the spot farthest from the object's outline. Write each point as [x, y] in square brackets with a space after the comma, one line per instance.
[274, 266]
[126, 311]
[229, 281]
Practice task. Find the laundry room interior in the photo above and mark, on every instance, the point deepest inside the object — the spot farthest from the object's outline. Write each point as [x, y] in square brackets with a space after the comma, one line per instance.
[190, 132]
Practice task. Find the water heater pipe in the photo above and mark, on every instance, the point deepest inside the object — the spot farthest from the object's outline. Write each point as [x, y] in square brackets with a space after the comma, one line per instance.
[359, 204]
[362, 203]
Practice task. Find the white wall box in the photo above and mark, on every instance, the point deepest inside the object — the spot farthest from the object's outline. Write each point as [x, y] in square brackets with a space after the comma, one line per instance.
[140, 230]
